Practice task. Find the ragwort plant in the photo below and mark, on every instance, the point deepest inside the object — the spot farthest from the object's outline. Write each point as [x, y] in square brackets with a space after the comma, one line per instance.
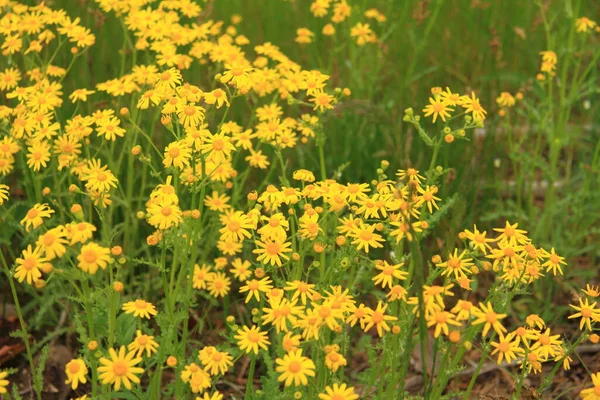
[148, 217]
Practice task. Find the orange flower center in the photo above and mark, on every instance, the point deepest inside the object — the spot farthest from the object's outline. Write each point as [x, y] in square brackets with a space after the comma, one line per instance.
[295, 367]
[90, 256]
[32, 213]
[273, 248]
[377, 317]
[73, 367]
[29, 263]
[120, 368]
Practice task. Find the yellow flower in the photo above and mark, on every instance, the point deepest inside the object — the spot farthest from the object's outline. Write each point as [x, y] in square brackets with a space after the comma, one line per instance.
[507, 348]
[362, 33]
[164, 214]
[364, 237]
[295, 368]
[29, 265]
[120, 369]
[378, 319]
[139, 308]
[334, 360]
[76, 371]
[338, 392]
[4, 191]
[202, 275]
[272, 251]
[438, 107]
[472, 105]
[215, 362]
[441, 319]
[254, 287]
[584, 24]
[217, 96]
[143, 343]
[591, 393]
[587, 312]
[485, 315]
[92, 257]
[177, 154]
[388, 272]
[3, 382]
[38, 154]
[251, 339]
[80, 95]
[218, 284]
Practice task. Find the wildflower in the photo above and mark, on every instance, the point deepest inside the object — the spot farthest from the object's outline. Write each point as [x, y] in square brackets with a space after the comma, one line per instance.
[217, 201]
[3, 193]
[554, 262]
[584, 24]
[592, 291]
[280, 312]
[362, 33]
[338, 392]
[143, 343]
[236, 226]
[303, 175]
[29, 265]
[109, 128]
[441, 319]
[478, 240]
[334, 360]
[3, 382]
[304, 36]
[76, 371]
[168, 79]
[254, 287]
[80, 95]
[38, 155]
[534, 320]
[164, 215]
[218, 284]
[217, 96]
[388, 273]
[378, 319]
[202, 274]
[587, 312]
[190, 115]
[486, 315]
[507, 348]
[215, 362]
[251, 339]
[272, 251]
[120, 369]
[506, 99]
[591, 393]
[438, 108]
[295, 368]
[322, 100]
[546, 345]
[365, 237]
[473, 106]
[35, 216]
[301, 290]
[177, 154]
[457, 265]
[139, 308]
[92, 257]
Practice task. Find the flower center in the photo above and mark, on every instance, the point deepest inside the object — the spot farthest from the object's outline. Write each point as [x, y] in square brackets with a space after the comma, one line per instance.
[90, 256]
[73, 367]
[120, 368]
[295, 367]
[29, 263]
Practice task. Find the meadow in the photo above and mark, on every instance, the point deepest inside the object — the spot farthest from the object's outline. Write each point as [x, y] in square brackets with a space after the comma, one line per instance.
[299, 199]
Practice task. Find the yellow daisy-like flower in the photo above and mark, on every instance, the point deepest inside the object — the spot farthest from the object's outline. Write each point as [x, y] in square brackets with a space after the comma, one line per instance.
[3, 382]
[485, 315]
[215, 362]
[140, 308]
[592, 393]
[120, 369]
[438, 107]
[92, 257]
[378, 319]
[3, 193]
[338, 392]
[251, 339]
[29, 265]
[76, 371]
[271, 252]
[295, 368]
[35, 216]
[143, 343]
